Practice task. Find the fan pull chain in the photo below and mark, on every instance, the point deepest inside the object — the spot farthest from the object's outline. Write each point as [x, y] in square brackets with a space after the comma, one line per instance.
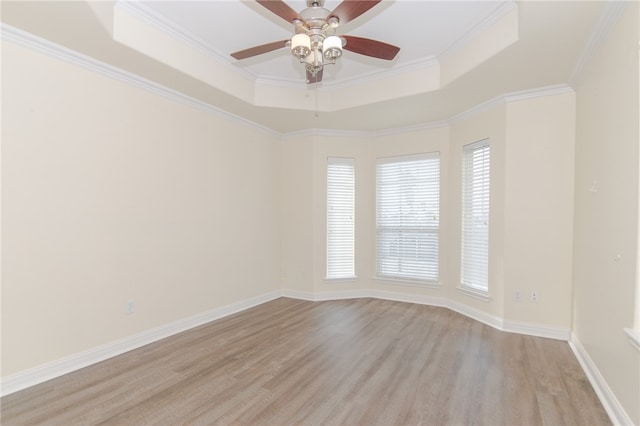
[317, 115]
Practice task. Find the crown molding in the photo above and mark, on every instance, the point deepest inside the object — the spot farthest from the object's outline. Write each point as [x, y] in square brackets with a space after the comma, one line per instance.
[150, 16]
[146, 14]
[370, 76]
[477, 109]
[139, 10]
[365, 134]
[285, 83]
[380, 74]
[494, 17]
[610, 15]
[30, 41]
[505, 98]
[558, 89]
[41, 45]
[326, 133]
[410, 129]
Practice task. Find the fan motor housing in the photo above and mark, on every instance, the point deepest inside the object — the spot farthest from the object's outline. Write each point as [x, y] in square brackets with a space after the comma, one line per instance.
[315, 17]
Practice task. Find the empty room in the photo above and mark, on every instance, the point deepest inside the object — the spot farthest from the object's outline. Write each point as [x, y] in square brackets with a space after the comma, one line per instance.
[298, 212]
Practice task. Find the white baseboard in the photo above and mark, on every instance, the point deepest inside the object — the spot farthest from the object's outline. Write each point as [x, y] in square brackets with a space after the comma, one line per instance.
[614, 409]
[325, 295]
[539, 330]
[364, 293]
[409, 298]
[42, 373]
[51, 370]
[300, 295]
[531, 329]
[476, 314]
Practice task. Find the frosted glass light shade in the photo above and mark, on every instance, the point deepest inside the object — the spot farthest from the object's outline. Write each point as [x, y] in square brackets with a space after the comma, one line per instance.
[300, 45]
[332, 47]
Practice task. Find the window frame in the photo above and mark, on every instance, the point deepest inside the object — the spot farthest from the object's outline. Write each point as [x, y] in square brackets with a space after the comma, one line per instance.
[428, 276]
[473, 282]
[333, 270]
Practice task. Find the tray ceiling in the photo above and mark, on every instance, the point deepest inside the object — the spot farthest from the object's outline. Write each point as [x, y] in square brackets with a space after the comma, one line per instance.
[551, 37]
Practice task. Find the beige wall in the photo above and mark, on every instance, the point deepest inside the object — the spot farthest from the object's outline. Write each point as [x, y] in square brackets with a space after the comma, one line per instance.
[538, 226]
[422, 141]
[339, 146]
[304, 205]
[606, 203]
[489, 124]
[531, 208]
[111, 194]
[296, 175]
[532, 148]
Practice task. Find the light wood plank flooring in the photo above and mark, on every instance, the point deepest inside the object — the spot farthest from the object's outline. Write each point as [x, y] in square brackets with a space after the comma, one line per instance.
[348, 362]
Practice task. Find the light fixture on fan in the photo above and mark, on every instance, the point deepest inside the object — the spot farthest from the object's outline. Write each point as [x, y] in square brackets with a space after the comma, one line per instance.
[315, 43]
[316, 50]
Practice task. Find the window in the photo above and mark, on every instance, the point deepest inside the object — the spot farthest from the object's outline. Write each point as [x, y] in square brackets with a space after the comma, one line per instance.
[634, 333]
[340, 218]
[475, 217]
[408, 217]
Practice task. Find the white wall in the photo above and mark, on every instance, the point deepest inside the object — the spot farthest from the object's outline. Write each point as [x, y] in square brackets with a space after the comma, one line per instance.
[110, 194]
[606, 206]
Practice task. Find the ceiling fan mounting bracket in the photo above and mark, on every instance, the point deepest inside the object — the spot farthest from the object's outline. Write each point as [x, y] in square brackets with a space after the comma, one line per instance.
[315, 17]
[311, 3]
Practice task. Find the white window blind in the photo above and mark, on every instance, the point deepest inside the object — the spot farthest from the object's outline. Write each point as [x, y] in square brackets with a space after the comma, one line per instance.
[340, 218]
[408, 217]
[475, 216]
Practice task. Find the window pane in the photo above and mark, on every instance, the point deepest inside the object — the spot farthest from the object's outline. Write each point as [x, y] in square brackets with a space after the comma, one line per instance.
[475, 216]
[340, 218]
[408, 217]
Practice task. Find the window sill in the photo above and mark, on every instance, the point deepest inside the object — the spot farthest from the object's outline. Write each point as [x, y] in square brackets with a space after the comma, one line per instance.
[634, 337]
[332, 279]
[407, 282]
[475, 293]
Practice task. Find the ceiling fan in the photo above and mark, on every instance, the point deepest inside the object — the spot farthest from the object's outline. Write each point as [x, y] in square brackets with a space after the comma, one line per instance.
[315, 42]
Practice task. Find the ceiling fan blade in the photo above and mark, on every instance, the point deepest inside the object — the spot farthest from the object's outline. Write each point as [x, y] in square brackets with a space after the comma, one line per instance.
[259, 50]
[281, 9]
[373, 48]
[349, 10]
[314, 78]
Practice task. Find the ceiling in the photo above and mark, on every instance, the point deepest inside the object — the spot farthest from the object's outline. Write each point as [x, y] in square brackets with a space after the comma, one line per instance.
[549, 40]
[229, 26]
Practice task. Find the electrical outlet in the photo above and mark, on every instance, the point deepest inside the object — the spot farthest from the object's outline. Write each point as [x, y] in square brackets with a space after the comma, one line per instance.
[130, 307]
[534, 296]
[517, 296]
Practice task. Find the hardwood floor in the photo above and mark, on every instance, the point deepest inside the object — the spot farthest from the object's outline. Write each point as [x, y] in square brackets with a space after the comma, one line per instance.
[347, 362]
